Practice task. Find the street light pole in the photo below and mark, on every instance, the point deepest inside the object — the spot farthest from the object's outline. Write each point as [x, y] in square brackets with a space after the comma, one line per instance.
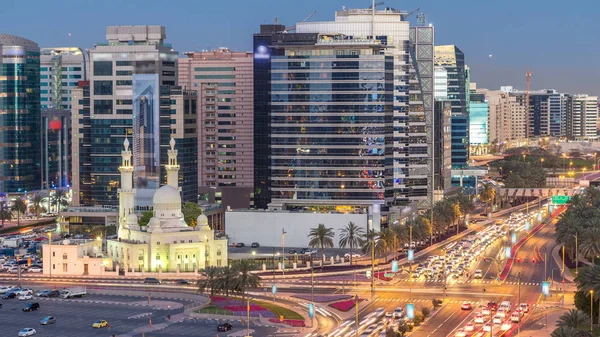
[519, 326]
[283, 251]
[248, 321]
[50, 243]
[356, 318]
[273, 274]
[372, 267]
[592, 311]
[312, 291]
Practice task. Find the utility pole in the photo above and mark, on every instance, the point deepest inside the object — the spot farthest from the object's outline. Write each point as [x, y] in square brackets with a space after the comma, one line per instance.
[312, 291]
[372, 266]
[283, 232]
[519, 326]
[528, 80]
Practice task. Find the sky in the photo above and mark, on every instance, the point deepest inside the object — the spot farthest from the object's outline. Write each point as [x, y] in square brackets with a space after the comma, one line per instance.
[554, 39]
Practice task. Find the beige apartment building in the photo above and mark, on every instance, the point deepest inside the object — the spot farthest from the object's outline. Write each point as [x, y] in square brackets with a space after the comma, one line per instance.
[507, 117]
[224, 81]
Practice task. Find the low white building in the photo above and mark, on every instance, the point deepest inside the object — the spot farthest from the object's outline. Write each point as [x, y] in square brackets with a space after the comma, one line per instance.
[75, 258]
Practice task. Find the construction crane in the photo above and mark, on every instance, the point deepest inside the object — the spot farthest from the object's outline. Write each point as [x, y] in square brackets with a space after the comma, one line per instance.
[375, 4]
[410, 13]
[294, 26]
[527, 90]
[421, 19]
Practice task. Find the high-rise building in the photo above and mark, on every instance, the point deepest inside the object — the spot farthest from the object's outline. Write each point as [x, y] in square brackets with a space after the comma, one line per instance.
[478, 124]
[131, 94]
[348, 117]
[19, 114]
[60, 70]
[56, 148]
[582, 117]
[443, 146]
[452, 59]
[223, 79]
[441, 83]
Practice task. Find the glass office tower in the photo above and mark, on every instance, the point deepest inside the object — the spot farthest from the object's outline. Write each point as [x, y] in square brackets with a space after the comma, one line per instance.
[19, 114]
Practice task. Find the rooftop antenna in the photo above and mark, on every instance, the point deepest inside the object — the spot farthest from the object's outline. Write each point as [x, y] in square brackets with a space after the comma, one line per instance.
[373, 5]
[276, 20]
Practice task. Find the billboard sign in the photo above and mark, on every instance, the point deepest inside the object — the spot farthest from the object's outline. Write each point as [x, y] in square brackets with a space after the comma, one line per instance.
[410, 310]
[411, 254]
[395, 266]
[146, 132]
[508, 252]
[311, 310]
[546, 288]
[561, 199]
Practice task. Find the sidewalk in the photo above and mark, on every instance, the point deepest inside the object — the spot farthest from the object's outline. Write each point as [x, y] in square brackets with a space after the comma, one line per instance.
[545, 320]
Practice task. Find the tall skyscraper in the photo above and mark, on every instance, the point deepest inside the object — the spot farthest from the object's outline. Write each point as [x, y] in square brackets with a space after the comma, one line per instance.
[344, 111]
[131, 94]
[19, 114]
[60, 70]
[225, 85]
[582, 117]
[507, 117]
[452, 59]
[478, 123]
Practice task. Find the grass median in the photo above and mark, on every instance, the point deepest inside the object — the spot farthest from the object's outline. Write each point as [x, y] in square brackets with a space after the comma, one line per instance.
[279, 311]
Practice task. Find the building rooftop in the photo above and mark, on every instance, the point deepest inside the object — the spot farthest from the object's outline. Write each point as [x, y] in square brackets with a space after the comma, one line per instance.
[12, 40]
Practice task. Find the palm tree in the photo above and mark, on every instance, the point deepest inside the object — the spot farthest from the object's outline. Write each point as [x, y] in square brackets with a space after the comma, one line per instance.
[487, 195]
[567, 331]
[369, 239]
[5, 214]
[227, 281]
[59, 200]
[211, 275]
[575, 319]
[387, 243]
[591, 195]
[20, 207]
[351, 235]
[589, 280]
[245, 278]
[590, 243]
[322, 237]
[36, 205]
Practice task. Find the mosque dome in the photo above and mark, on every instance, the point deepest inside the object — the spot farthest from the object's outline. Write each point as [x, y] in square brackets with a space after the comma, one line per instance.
[202, 222]
[132, 219]
[167, 198]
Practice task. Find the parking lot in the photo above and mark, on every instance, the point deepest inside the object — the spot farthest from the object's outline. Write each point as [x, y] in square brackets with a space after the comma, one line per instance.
[74, 318]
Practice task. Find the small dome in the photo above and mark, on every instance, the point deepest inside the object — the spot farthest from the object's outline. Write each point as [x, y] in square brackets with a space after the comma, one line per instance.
[202, 220]
[167, 197]
[132, 219]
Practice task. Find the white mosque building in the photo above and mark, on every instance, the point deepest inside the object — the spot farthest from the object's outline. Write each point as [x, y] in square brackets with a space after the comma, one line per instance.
[167, 243]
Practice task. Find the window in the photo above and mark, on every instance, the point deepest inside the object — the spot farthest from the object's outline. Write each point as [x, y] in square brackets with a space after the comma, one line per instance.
[158, 243]
[103, 88]
[168, 64]
[157, 257]
[53, 254]
[123, 63]
[168, 73]
[123, 82]
[124, 102]
[64, 256]
[65, 269]
[103, 106]
[124, 111]
[124, 72]
[200, 77]
[215, 69]
[103, 68]
[218, 252]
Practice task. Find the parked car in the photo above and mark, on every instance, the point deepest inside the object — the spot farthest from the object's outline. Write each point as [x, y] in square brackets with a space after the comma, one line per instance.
[354, 255]
[9, 295]
[34, 269]
[48, 320]
[99, 324]
[25, 297]
[27, 332]
[240, 245]
[182, 281]
[224, 327]
[49, 293]
[151, 280]
[31, 307]
[255, 245]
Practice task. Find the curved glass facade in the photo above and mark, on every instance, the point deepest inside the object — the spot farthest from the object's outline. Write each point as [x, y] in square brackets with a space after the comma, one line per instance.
[20, 118]
[328, 115]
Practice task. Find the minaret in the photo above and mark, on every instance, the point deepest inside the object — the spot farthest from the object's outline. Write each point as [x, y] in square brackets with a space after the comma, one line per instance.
[126, 192]
[172, 166]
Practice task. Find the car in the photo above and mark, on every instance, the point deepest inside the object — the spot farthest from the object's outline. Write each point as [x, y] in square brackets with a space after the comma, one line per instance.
[506, 305]
[50, 293]
[524, 307]
[9, 295]
[254, 245]
[308, 251]
[379, 312]
[100, 324]
[354, 255]
[389, 314]
[224, 327]
[478, 274]
[13, 270]
[487, 327]
[48, 320]
[4, 289]
[515, 317]
[292, 251]
[497, 319]
[470, 327]
[369, 330]
[151, 280]
[506, 326]
[182, 281]
[25, 297]
[466, 306]
[460, 333]
[493, 306]
[40, 292]
[502, 312]
[478, 319]
[31, 307]
[34, 269]
[399, 312]
[27, 332]
[240, 245]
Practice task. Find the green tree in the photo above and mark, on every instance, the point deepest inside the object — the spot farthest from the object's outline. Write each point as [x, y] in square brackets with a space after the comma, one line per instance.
[487, 195]
[321, 237]
[59, 200]
[589, 280]
[389, 332]
[590, 243]
[227, 281]
[5, 213]
[190, 211]
[387, 243]
[369, 240]
[146, 216]
[35, 205]
[351, 235]
[20, 207]
[582, 302]
[211, 274]
[567, 331]
[574, 319]
[245, 278]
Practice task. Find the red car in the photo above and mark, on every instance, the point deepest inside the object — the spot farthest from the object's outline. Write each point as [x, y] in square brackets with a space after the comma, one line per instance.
[466, 306]
[493, 306]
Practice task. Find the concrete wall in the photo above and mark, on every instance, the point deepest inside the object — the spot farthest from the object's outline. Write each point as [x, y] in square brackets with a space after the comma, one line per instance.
[265, 227]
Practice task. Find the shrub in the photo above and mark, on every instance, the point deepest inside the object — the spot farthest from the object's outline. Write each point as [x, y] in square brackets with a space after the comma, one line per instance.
[418, 318]
[344, 306]
[436, 303]
[425, 311]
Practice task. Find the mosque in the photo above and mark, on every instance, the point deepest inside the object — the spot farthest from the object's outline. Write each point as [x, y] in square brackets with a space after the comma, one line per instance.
[167, 243]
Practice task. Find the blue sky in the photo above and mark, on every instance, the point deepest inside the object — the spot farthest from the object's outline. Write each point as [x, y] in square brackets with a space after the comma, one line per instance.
[557, 40]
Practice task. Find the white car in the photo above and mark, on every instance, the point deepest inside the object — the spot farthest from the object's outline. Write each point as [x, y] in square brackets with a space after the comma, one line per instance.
[379, 312]
[470, 326]
[501, 312]
[524, 306]
[515, 317]
[25, 297]
[399, 312]
[497, 319]
[4, 289]
[478, 274]
[487, 327]
[27, 332]
[461, 333]
[486, 311]
[506, 326]
[34, 270]
[354, 255]
[478, 319]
